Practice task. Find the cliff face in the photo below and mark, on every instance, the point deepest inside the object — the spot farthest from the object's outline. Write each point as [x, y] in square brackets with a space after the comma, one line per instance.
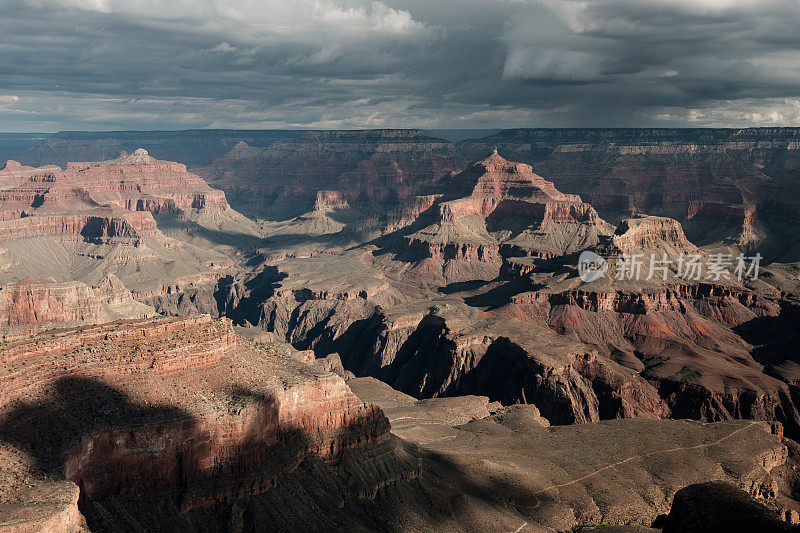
[135, 182]
[441, 285]
[39, 304]
[90, 220]
[175, 405]
[100, 201]
[95, 228]
[377, 171]
[496, 209]
[719, 182]
[32, 302]
[193, 147]
[635, 235]
[707, 179]
[580, 351]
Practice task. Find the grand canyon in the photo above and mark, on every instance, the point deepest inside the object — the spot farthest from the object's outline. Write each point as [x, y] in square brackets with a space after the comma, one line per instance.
[377, 330]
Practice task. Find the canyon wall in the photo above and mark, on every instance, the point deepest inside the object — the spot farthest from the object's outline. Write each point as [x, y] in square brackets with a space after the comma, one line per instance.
[375, 170]
[176, 406]
[719, 182]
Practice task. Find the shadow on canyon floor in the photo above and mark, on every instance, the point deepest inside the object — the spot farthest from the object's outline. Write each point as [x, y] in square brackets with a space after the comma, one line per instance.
[776, 339]
[167, 222]
[76, 407]
[497, 296]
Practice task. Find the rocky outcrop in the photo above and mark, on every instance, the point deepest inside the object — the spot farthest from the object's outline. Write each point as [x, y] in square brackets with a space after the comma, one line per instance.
[720, 506]
[45, 508]
[451, 351]
[496, 209]
[720, 183]
[376, 172]
[34, 304]
[91, 220]
[182, 410]
[90, 228]
[135, 182]
[648, 233]
[613, 472]
[683, 339]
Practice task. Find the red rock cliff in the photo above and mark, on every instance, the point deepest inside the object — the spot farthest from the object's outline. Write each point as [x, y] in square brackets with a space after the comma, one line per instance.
[166, 404]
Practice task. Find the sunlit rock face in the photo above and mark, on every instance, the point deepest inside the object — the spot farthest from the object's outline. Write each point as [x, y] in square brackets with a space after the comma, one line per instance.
[495, 209]
[177, 408]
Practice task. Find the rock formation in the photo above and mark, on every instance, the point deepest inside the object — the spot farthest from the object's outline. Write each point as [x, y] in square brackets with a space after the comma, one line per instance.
[31, 302]
[614, 472]
[135, 182]
[371, 179]
[499, 209]
[724, 185]
[522, 393]
[720, 506]
[91, 220]
[517, 324]
[173, 408]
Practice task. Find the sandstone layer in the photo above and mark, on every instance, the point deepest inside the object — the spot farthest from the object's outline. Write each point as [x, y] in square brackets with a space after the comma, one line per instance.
[497, 209]
[623, 472]
[91, 220]
[725, 185]
[177, 410]
[372, 256]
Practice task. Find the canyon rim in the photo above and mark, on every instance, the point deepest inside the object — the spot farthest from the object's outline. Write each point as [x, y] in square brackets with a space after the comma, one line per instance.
[355, 265]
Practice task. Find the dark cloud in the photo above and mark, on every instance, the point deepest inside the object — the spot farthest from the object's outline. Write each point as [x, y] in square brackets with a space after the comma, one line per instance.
[131, 64]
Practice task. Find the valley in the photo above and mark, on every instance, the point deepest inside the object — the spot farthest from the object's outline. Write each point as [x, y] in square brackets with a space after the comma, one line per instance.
[388, 330]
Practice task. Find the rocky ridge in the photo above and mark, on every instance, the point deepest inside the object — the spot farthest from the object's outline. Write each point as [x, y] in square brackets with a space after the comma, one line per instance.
[498, 209]
[534, 332]
[495, 331]
[725, 185]
[147, 406]
[90, 220]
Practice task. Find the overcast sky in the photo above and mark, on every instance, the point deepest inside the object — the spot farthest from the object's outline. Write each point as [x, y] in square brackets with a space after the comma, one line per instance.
[176, 64]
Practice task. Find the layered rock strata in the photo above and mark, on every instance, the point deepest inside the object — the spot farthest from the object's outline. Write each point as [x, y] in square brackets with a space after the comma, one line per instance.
[724, 185]
[500, 209]
[171, 407]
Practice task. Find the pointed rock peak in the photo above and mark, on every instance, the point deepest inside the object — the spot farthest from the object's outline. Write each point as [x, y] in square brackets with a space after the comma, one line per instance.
[500, 178]
[110, 283]
[647, 232]
[494, 162]
[242, 150]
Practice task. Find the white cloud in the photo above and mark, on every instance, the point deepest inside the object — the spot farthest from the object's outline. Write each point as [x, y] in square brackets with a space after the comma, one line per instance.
[257, 18]
[223, 47]
[747, 112]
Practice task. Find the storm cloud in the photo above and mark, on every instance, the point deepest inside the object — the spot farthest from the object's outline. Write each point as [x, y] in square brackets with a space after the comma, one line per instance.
[147, 64]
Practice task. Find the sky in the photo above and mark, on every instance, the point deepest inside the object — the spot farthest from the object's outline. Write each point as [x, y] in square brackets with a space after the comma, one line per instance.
[179, 64]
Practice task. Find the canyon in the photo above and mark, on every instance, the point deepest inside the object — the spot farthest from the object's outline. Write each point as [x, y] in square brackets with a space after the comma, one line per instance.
[385, 330]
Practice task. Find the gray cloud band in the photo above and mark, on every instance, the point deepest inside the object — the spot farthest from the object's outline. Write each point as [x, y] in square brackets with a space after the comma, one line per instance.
[346, 63]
